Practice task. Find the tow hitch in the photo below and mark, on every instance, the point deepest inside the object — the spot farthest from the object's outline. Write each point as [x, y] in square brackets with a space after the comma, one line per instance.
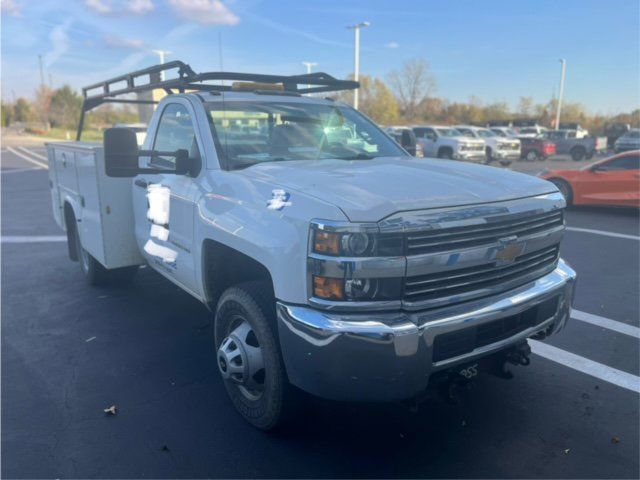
[518, 355]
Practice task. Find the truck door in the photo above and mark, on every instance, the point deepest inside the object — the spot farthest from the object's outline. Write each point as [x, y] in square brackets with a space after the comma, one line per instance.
[164, 204]
[427, 138]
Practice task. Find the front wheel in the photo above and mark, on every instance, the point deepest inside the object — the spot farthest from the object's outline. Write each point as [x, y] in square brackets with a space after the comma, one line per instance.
[445, 153]
[565, 189]
[249, 358]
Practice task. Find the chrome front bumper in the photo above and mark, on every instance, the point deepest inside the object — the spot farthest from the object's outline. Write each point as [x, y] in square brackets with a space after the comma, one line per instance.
[389, 356]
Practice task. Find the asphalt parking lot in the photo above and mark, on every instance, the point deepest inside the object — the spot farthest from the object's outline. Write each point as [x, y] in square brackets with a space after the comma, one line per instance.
[70, 350]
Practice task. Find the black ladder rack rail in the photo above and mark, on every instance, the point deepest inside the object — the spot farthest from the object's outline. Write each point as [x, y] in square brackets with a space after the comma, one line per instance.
[187, 79]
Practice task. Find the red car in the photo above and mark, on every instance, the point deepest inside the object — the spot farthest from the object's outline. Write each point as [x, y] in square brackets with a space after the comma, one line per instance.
[536, 148]
[612, 181]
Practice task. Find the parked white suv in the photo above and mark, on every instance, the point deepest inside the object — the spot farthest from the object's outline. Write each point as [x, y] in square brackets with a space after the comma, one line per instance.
[505, 150]
[447, 142]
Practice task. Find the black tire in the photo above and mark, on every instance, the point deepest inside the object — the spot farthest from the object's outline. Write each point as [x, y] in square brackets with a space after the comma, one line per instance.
[445, 152]
[95, 273]
[565, 189]
[275, 403]
[578, 153]
[532, 156]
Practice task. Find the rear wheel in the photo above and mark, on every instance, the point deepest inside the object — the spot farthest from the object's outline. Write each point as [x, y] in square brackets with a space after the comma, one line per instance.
[578, 153]
[95, 273]
[565, 189]
[249, 358]
[532, 155]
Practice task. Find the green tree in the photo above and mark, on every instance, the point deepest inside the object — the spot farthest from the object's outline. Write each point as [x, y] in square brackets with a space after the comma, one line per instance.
[65, 107]
[7, 113]
[23, 110]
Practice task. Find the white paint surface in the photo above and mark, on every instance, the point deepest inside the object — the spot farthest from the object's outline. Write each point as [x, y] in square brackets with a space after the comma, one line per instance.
[584, 365]
[603, 233]
[607, 323]
[28, 159]
[33, 238]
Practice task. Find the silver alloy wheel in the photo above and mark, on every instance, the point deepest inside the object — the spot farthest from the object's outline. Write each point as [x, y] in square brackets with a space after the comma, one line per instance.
[240, 360]
[532, 155]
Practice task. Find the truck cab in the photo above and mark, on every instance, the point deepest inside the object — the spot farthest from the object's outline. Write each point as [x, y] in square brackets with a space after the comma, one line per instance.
[332, 261]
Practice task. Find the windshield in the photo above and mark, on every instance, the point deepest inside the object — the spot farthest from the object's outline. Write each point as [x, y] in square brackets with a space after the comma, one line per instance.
[448, 132]
[467, 132]
[632, 134]
[486, 133]
[255, 132]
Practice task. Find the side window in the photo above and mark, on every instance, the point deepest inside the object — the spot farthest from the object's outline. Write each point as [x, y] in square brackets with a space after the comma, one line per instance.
[628, 162]
[430, 134]
[175, 132]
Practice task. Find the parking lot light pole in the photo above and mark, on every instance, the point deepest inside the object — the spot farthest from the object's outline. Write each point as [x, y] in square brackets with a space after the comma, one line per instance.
[562, 75]
[356, 72]
[161, 54]
[309, 66]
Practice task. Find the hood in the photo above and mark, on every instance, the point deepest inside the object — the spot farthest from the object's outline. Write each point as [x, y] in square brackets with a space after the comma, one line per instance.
[370, 190]
[465, 139]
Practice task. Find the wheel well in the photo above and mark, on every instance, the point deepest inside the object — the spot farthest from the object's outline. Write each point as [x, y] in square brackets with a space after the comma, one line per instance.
[568, 184]
[70, 224]
[578, 147]
[444, 149]
[224, 267]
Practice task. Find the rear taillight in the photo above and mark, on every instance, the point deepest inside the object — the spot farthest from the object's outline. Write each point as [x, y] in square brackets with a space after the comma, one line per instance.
[549, 148]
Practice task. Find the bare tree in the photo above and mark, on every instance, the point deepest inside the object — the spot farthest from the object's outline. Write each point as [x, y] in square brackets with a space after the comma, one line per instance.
[412, 84]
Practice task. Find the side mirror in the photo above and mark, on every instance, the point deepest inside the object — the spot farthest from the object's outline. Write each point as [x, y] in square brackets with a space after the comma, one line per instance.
[120, 152]
[121, 155]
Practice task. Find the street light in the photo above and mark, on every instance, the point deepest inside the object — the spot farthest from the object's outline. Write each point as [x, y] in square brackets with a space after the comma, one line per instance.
[562, 75]
[309, 65]
[161, 54]
[356, 73]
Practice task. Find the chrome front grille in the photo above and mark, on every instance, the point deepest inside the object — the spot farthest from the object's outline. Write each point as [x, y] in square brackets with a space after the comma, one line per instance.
[488, 277]
[447, 239]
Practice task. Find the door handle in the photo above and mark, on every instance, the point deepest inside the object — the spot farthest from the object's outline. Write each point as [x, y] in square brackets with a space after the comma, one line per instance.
[141, 183]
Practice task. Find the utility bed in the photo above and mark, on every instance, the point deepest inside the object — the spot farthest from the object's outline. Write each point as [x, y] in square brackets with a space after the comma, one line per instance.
[102, 205]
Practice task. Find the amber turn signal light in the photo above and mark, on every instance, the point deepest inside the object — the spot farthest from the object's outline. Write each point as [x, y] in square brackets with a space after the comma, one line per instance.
[328, 288]
[326, 242]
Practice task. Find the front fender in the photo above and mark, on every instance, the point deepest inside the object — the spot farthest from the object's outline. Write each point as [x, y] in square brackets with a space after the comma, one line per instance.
[237, 212]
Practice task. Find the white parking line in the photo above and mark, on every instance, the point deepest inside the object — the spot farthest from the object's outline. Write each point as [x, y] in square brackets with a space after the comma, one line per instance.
[584, 365]
[32, 239]
[19, 170]
[603, 233]
[28, 159]
[607, 323]
[32, 153]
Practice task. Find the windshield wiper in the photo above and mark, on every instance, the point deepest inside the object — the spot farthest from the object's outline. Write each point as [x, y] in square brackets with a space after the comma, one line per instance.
[357, 156]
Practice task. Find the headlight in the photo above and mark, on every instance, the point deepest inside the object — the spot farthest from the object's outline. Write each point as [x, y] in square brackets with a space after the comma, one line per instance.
[357, 289]
[365, 242]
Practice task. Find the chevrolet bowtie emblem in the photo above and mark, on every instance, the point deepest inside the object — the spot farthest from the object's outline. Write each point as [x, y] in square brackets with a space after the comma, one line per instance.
[508, 250]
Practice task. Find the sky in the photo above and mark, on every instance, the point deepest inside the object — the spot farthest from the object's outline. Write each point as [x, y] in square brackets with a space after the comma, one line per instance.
[496, 50]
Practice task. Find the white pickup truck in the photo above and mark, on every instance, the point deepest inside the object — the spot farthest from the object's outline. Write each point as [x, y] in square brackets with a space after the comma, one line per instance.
[447, 142]
[334, 262]
[504, 150]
